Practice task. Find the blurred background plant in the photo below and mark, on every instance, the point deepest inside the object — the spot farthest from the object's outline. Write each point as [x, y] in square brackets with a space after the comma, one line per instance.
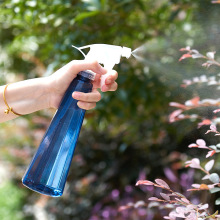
[127, 137]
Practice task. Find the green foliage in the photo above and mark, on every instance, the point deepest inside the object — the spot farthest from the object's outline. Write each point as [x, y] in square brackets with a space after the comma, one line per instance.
[11, 201]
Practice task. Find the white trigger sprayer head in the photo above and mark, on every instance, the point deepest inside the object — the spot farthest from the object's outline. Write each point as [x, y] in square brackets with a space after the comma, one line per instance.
[79, 50]
[105, 54]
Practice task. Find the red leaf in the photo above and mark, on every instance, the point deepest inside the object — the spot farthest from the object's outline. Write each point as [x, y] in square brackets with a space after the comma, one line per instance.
[208, 131]
[204, 122]
[154, 199]
[144, 182]
[165, 196]
[217, 110]
[178, 105]
[185, 200]
[122, 208]
[195, 101]
[184, 56]
[193, 189]
[174, 114]
[206, 64]
[162, 183]
[185, 49]
[192, 145]
[213, 128]
[201, 142]
[210, 153]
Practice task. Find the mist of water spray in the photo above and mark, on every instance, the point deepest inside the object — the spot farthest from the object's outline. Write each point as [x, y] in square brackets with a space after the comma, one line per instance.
[137, 56]
[149, 55]
[140, 54]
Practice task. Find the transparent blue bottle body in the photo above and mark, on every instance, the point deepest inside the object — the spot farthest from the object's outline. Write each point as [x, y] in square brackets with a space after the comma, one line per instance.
[48, 170]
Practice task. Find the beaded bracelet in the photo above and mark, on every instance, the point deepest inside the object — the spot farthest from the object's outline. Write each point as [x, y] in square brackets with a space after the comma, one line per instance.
[9, 109]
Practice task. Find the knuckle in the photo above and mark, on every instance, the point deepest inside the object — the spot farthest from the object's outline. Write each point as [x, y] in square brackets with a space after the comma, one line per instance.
[84, 97]
[99, 96]
[115, 86]
[95, 63]
[79, 104]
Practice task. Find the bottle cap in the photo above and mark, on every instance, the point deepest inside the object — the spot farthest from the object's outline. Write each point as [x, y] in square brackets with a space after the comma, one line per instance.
[88, 74]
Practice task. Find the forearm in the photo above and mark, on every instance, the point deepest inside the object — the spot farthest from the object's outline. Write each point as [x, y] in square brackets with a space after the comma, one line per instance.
[24, 97]
[32, 95]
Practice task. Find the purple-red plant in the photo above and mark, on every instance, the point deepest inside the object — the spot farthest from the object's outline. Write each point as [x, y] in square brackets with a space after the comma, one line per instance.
[180, 206]
[185, 209]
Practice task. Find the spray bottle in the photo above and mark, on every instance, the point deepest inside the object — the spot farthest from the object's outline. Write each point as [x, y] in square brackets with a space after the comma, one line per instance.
[48, 170]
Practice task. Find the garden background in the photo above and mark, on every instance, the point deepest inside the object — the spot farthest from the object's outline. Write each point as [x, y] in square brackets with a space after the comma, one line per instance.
[127, 137]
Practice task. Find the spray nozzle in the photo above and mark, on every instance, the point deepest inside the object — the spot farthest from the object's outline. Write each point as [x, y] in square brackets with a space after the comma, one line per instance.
[126, 52]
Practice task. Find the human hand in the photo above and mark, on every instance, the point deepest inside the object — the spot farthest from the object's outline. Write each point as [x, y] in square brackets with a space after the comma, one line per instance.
[60, 80]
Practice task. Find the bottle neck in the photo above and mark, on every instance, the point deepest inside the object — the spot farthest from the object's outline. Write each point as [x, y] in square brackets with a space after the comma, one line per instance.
[86, 76]
[83, 78]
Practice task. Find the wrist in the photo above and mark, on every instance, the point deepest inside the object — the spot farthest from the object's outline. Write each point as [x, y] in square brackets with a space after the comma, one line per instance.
[53, 92]
[45, 91]
[27, 96]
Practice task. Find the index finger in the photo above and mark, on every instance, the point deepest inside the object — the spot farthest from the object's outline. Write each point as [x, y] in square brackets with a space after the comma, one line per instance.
[112, 76]
[81, 65]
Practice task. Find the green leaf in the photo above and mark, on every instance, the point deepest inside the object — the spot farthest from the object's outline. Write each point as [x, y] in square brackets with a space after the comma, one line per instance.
[214, 177]
[84, 15]
[217, 201]
[213, 147]
[214, 190]
[213, 215]
[58, 22]
[103, 3]
[181, 195]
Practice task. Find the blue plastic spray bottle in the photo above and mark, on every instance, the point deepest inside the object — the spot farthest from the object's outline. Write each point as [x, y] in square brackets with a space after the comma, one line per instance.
[48, 170]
